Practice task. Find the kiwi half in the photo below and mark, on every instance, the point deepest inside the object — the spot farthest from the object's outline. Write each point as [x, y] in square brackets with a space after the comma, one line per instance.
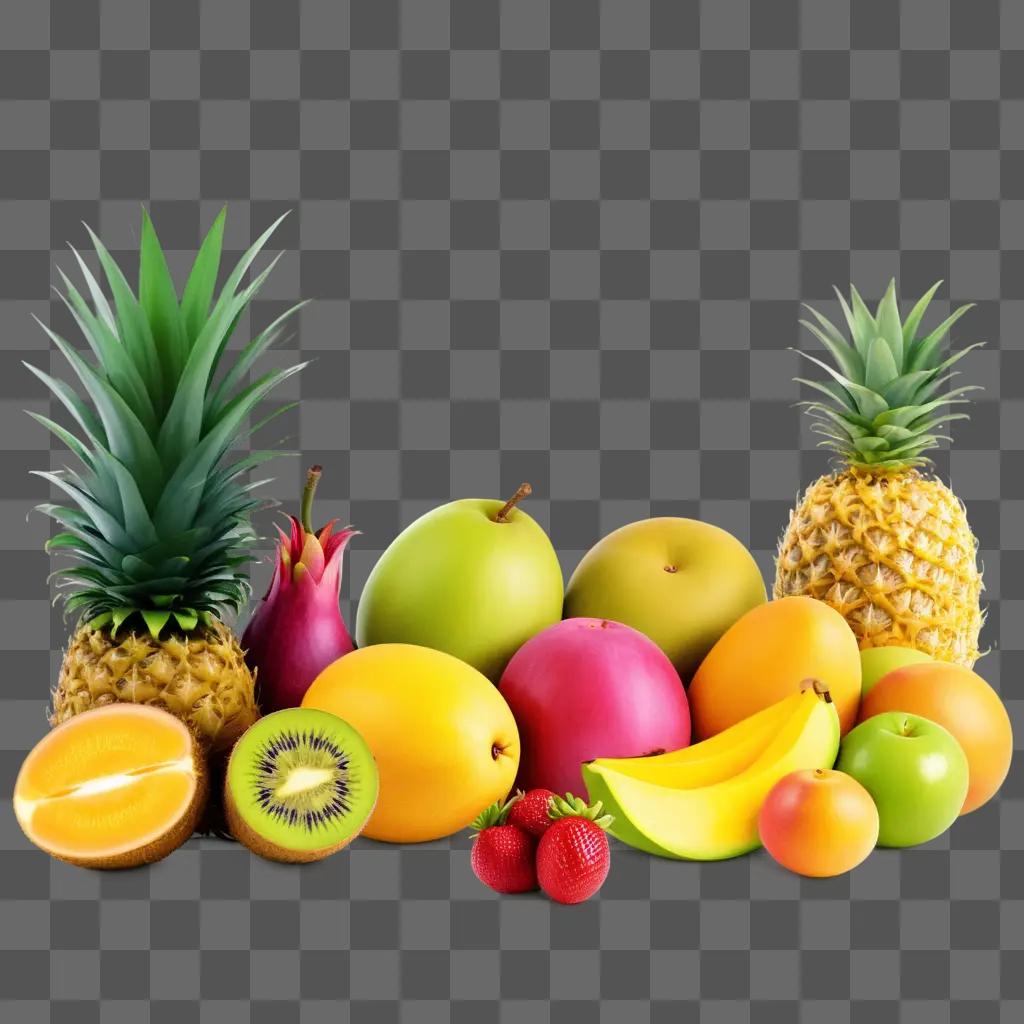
[300, 785]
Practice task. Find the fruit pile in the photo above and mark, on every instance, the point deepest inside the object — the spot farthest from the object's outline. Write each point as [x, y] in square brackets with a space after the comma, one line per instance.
[673, 704]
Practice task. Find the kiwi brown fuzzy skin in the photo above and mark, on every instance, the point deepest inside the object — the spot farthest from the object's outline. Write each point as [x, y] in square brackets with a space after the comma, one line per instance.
[270, 850]
[164, 844]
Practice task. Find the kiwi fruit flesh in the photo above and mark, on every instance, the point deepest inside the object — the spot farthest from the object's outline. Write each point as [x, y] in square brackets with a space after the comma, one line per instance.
[300, 785]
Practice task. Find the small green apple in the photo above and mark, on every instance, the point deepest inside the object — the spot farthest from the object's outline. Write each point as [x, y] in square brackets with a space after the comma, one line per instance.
[475, 578]
[876, 662]
[915, 771]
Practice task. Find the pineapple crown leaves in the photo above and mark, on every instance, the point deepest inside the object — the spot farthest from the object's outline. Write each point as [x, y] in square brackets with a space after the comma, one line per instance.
[157, 519]
[495, 814]
[886, 394]
[576, 807]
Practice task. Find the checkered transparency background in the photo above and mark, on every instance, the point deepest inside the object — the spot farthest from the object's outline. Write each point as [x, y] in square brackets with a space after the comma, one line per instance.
[563, 243]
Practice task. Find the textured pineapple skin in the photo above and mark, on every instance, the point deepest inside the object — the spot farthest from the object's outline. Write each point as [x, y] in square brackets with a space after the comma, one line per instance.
[894, 554]
[201, 678]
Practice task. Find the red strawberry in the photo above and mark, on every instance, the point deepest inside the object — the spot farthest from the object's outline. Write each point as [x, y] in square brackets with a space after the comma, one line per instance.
[531, 811]
[503, 855]
[573, 856]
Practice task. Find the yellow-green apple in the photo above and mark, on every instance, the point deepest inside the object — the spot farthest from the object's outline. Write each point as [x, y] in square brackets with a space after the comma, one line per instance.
[876, 662]
[475, 578]
[915, 771]
[680, 581]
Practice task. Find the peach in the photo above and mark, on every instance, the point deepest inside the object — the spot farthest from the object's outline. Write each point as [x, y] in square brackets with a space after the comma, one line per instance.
[818, 822]
[962, 702]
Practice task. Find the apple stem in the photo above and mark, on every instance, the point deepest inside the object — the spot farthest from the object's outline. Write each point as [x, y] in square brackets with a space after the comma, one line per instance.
[306, 508]
[524, 491]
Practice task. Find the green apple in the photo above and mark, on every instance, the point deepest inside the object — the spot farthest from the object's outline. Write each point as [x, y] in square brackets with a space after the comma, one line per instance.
[876, 662]
[680, 581]
[915, 771]
[475, 578]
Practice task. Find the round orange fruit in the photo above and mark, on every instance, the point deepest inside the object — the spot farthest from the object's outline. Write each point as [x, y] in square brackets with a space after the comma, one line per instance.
[818, 823]
[766, 655]
[962, 702]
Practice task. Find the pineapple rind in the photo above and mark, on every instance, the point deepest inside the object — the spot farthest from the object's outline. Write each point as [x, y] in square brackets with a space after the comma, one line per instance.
[201, 679]
[894, 554]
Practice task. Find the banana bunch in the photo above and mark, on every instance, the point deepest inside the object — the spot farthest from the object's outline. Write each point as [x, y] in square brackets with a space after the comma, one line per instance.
[702, 802]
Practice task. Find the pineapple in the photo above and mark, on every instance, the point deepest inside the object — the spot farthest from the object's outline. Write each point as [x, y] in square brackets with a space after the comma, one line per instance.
[157, 517]
[882, 541]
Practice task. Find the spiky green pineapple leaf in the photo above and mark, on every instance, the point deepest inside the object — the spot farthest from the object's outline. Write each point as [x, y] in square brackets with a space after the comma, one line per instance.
[184, 422]
[846, 357]
[923, 351]
[158, 524]
[202, 280]
[890, 329]
[245, 360]
[891, 394]
[125, 435]
[159, 301]
[916, 315]
[99, 301]
[186, 618]
[865, 327]
[879, 368]
[132, 326]
[106, 524]
[110, 355]
[80, 412]
[870, 444]
[867, 402]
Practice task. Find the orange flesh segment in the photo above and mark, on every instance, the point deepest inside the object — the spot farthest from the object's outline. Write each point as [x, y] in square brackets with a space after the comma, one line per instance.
[106, 782]
[121, 819]
[122, 738]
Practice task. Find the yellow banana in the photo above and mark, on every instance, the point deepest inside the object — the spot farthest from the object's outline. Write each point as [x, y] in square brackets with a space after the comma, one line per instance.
[719, 820]
[712, 760]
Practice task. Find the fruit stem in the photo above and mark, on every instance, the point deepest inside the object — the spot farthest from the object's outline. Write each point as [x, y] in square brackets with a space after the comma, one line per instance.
[819, 687]
[306, 508]
[524, 491]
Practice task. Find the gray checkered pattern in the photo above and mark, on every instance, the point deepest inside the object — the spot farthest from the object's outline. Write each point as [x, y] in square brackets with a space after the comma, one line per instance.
[562, 243]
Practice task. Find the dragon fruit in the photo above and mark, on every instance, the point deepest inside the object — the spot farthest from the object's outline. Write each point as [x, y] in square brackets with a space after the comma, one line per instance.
[298, 629]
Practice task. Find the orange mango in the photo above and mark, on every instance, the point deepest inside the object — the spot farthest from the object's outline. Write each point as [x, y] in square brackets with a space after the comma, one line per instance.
[766, 655]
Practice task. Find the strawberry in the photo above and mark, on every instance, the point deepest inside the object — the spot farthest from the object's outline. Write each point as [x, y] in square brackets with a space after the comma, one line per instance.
[531, 811]
[503, 855]
[573, 856]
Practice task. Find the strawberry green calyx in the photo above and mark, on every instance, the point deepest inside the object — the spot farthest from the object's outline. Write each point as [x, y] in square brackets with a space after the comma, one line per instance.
[496, 814]
[576, 807]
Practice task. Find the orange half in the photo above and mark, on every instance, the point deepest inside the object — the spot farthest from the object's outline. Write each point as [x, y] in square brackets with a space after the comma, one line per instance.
[118, 786]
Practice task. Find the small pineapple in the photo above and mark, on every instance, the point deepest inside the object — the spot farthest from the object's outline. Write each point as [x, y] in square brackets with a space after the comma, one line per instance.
[158, 518]
[882, 541]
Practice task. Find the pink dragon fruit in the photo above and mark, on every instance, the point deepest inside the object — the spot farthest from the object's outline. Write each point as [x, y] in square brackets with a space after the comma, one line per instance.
[297, 630]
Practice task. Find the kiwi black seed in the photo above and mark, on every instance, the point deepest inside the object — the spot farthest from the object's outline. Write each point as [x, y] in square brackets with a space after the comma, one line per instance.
[300, 785]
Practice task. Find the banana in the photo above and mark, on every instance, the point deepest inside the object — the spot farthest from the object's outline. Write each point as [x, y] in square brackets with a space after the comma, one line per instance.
[718, 820]
[713, 760]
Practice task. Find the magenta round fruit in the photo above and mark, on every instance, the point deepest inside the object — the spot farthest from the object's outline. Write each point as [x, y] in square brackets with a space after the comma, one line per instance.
[587, 688]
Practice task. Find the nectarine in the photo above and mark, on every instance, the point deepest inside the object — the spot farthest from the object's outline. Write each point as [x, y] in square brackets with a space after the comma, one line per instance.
[966, 705]
[818, 822]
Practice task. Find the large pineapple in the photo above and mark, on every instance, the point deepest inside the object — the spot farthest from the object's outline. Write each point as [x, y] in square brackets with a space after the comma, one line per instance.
[882, 541]
[157, 521]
